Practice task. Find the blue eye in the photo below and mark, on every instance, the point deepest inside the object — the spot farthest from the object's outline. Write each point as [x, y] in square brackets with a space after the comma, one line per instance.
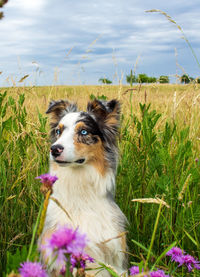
[58, 132]
[84, 132]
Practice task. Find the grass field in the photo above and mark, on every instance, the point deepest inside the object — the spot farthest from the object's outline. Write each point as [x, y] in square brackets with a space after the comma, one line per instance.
[159, 158]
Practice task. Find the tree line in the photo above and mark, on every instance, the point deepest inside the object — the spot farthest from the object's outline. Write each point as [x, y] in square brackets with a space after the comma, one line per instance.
[144, 78]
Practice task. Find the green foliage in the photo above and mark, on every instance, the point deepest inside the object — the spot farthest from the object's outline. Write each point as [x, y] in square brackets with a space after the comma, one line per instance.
[157, 163]
[141, 78]
[14, 259]
[185, 79]
[100, 97]
[105, 81]
[2, 3]
[163, 79]
[23, 150]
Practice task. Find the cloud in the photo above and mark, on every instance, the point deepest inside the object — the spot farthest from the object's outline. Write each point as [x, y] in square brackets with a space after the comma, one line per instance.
[104, 37]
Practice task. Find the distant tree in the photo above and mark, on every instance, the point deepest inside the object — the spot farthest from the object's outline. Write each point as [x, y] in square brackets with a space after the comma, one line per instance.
[2, 3]
[152, 80]
[163, 79]
[131, 78]
[142, 78]
[105, 81]
[198, 80]
[185, 79]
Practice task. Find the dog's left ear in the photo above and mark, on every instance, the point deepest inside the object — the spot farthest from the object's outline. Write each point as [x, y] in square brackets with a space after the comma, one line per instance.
[58, 109]
[107, 115]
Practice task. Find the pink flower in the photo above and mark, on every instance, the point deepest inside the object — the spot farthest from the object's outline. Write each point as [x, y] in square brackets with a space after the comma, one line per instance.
[64, 242]
[158, 273]
[47, 179]
[32, 269]
[134, 270]
[190, 262]
[79, 261]
[176, 254]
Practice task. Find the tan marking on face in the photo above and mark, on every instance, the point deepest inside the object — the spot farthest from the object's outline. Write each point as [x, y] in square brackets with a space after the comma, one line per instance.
[61, 126]
[94, 153]
[79, 125]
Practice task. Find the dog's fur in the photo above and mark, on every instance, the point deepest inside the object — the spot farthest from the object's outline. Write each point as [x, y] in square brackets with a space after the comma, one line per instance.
[84, 157]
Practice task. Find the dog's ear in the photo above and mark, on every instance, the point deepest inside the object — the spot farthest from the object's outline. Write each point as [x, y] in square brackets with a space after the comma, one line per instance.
[107, 115]
[58, 109]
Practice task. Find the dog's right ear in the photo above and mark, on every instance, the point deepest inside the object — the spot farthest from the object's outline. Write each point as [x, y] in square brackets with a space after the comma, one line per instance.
[60, 108]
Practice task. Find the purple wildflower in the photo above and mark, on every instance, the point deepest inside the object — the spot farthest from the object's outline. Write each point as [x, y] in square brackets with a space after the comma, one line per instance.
[158, 273]
[47, 179]
[63, 271]
[65, 241]
[190, 262]
[79, 261]
[134, 270]
[176, 254]
[32, 269]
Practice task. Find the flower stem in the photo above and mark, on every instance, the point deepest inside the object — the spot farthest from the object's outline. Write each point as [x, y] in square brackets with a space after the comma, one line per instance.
[44, 210]
[34, 232]
[153, 236]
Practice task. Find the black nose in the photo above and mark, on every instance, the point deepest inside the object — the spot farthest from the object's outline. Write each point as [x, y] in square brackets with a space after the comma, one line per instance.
[56, 150]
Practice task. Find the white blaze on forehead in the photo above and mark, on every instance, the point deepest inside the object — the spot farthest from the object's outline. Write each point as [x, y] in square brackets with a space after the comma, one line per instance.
[67, 137]
[69, 120]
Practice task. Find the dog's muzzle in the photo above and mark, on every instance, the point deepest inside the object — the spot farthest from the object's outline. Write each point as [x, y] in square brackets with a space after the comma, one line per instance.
[56, 150]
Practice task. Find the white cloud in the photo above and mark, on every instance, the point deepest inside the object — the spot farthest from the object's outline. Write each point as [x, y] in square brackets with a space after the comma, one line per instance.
[27, 6]
[45, 31]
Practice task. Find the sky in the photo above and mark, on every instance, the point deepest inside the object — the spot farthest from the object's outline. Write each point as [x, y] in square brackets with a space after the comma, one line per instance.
[69, 42]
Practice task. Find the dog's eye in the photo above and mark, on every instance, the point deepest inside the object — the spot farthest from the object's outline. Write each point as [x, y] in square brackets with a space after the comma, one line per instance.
[84, 132]
[58, 132]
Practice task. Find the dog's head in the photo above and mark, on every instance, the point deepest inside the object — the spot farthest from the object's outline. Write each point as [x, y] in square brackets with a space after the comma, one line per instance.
[80, 138]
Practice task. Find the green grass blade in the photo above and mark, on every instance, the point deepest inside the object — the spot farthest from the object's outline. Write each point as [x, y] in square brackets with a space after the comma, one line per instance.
[141, 246]
[34, 232]
[190, 237]
[111, 271]
[162, 255]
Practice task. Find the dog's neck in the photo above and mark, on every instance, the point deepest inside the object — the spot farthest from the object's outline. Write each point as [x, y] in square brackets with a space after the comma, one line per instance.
[75, 181]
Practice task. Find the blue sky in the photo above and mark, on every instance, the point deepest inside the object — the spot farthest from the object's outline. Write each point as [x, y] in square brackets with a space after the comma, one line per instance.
[70, 42]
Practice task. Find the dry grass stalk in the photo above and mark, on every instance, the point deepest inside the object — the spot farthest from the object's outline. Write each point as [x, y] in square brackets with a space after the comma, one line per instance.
[151, 200]
[43, 215]
[62, 208]
[117, 237]
[12, 274]
[185, 185]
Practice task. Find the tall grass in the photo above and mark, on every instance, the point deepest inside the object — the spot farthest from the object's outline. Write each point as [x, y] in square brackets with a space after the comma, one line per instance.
[159, 147]
[24, 155]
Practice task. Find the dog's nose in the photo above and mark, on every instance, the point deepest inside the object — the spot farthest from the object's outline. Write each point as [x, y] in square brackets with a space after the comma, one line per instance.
[56, 150]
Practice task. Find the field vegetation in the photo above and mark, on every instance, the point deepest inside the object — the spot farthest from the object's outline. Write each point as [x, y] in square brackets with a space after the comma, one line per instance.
[159, 146]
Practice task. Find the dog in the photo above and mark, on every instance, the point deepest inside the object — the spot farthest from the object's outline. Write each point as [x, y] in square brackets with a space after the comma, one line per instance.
[84, 157]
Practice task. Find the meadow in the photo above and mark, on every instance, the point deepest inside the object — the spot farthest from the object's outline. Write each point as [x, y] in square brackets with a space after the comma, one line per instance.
[159, 144]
